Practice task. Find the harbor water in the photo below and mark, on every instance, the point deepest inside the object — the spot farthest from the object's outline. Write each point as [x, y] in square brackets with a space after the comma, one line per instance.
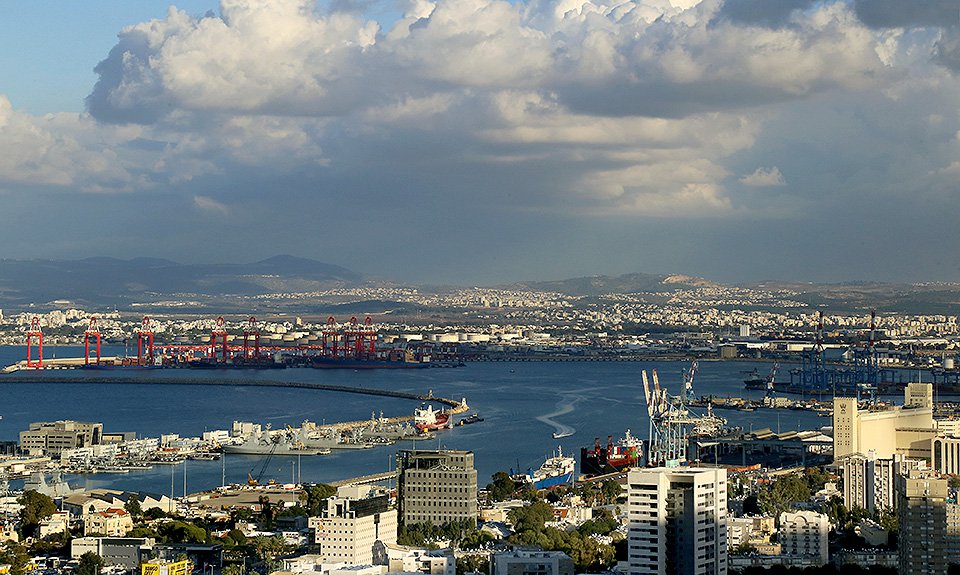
[522, 404]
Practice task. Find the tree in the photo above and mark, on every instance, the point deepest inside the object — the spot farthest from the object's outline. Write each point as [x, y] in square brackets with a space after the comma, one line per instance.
[314, 495]
[15, 555]
[473, 564]
[36, 508]
[133, 507]
[611, 490]
[90, 564]
[502, 488]
[531, 517]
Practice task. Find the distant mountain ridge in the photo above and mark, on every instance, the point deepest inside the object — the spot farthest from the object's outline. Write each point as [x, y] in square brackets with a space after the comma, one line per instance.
[627, 283]
[104, 279]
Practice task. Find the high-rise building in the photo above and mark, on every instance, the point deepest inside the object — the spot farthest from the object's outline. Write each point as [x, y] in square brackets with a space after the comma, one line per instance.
[677, 521]
[868, 481]
[922, 510]
[804, 534]
[439, 486]
[906, 430]
[351, 522]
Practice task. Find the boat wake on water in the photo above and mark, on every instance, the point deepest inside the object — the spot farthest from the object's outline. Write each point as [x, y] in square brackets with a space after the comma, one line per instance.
[560, 429]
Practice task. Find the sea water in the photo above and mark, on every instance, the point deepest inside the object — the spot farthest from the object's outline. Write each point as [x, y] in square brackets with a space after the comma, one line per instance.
[522, 403]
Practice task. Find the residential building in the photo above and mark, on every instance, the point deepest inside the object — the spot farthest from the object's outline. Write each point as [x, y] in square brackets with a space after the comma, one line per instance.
[677, 521]
[922, 511]
[906, 430]
[51, 437]
[112, 522]
[351, 522]
[953, 533]
[520, 562]
[59, 522]
[8, 533]
[868, 481]
[439, 486]
[804, 534]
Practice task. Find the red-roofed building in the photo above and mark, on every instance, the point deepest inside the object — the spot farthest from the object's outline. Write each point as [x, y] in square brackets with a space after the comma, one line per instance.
[113, 522]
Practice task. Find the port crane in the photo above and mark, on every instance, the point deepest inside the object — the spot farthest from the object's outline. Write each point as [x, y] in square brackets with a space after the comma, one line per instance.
[671, 422]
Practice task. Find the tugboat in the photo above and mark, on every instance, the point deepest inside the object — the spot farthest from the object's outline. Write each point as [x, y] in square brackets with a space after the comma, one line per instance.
[470, 419]
[613, 458]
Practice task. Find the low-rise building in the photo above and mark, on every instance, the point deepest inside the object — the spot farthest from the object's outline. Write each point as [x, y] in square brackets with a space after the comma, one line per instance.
[519, 562]
[112, 522]
[127, 552]
[59, 522]
[402, 559]
[52, 437]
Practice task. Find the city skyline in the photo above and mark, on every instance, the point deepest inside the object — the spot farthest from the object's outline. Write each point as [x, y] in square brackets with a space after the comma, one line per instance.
[481, 141]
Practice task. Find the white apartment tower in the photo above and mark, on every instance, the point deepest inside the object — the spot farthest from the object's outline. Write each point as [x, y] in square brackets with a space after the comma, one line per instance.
[677, 521]
[868, 481]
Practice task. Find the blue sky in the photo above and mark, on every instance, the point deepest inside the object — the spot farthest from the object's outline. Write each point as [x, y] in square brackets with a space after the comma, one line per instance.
[482, 141]
[49, 48]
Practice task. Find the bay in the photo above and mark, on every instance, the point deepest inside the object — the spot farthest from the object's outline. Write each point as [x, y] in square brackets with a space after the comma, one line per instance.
[522, 404]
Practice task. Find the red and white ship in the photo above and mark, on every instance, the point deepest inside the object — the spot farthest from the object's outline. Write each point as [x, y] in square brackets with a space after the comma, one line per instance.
[425, 418]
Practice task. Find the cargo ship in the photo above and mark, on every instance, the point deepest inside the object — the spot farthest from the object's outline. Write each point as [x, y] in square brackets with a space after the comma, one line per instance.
[613, 457]
[209, 363]
[353, 363]
[556, 470]
[426, 419]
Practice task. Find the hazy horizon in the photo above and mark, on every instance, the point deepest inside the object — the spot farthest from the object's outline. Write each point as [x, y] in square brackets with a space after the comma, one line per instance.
[466, 142]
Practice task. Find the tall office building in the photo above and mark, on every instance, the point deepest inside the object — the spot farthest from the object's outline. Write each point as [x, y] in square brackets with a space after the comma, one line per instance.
[677, 521]
[922, 510]
[351, 522]
[439, 486]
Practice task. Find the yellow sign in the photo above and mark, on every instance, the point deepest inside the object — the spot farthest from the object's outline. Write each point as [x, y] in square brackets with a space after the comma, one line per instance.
[163, 568]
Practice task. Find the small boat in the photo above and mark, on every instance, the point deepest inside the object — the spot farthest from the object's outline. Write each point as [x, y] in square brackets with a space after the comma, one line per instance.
[559, 435]
[472, 418]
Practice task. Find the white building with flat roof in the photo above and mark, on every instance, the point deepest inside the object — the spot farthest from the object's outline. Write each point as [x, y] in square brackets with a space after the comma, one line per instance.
[351, 522]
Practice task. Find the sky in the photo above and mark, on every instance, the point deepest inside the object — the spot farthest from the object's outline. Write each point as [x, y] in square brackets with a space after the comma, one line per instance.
[485, 141]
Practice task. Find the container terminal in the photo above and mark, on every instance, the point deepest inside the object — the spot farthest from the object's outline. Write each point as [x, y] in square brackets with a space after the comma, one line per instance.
[349, 345]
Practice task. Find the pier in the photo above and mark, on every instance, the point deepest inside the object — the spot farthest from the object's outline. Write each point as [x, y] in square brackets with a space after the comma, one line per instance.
[455, 407]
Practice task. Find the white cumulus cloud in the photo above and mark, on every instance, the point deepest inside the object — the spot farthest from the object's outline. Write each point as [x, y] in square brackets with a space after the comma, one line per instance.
[764, 177]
